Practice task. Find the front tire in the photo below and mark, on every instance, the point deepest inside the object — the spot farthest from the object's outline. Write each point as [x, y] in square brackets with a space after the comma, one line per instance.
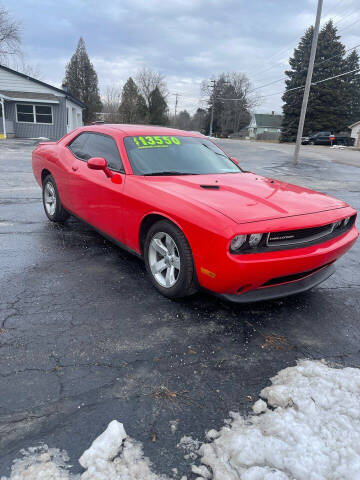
[51, 201]
[169, 261]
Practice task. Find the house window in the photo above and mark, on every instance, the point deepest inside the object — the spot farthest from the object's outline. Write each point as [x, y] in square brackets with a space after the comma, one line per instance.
[26, 113]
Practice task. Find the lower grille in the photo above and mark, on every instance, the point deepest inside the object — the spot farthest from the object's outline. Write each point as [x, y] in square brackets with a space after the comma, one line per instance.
[292, 278]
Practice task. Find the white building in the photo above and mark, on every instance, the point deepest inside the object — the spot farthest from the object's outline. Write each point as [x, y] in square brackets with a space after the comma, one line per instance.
[355, 133]
[30, 108]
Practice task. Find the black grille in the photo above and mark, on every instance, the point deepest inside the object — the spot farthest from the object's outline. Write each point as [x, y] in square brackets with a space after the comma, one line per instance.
[295, 236]
[304, 235]
[293, 277]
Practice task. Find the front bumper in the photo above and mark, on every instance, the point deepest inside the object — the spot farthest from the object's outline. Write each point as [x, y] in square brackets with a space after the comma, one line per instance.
[284, 290]
[252, 277]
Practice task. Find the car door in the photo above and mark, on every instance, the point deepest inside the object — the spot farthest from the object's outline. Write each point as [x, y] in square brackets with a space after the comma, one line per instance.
[94, 197]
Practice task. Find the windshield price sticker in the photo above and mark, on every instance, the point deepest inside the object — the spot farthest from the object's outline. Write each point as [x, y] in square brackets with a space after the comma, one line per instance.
[155, 141]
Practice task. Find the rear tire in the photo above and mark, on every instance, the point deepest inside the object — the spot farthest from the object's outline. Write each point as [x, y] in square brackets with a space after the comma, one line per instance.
[51, 201]
[169, 261]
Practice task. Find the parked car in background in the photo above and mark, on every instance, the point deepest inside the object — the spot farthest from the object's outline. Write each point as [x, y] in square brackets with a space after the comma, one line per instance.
[197, 219]
[327, 138]
[305, 140]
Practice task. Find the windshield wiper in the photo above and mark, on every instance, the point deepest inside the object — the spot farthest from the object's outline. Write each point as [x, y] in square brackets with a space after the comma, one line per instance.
[155, 174]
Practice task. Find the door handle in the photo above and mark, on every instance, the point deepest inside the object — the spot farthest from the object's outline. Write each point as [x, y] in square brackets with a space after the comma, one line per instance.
[74, 168]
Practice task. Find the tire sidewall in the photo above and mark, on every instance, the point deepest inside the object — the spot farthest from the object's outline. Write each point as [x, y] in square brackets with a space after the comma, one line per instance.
[186, 264]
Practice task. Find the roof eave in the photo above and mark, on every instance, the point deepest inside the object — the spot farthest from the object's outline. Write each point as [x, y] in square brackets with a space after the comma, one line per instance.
[23, 75]
[354, 124]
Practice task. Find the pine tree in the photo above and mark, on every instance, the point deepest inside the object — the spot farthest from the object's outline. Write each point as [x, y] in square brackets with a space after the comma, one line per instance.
[183, 120]
[142, 110]
[129, 98]
[157, 108]
[81, 81]
[353, 88]
[327, 106]
[198, 120]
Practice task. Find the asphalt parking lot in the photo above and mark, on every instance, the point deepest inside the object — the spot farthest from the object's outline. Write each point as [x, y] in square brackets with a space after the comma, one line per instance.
[85, 338]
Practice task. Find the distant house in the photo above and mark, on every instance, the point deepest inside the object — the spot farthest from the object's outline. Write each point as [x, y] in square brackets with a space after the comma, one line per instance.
[264, 123]
[30, 108]
[355, 133]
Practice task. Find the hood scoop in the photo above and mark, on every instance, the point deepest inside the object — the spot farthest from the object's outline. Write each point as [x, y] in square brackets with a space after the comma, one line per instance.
[210, 187]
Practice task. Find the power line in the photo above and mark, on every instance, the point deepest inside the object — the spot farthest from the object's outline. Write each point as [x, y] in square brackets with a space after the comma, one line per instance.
[304, 69]
[287, 49]
[348, 13]
[349, 26]
[315, 83]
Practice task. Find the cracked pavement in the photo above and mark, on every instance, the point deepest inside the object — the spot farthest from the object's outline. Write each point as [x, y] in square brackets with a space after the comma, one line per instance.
[85, 338]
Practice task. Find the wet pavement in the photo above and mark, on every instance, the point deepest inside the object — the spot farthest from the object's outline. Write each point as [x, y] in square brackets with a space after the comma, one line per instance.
[85, 338]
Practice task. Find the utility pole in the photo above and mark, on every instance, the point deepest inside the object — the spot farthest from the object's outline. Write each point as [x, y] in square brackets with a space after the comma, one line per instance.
[2, 103]
[308, 82]
[177, 95]
[213, 82]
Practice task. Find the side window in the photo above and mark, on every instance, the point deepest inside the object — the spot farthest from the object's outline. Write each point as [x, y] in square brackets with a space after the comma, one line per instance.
[78, 146]
[104, 146]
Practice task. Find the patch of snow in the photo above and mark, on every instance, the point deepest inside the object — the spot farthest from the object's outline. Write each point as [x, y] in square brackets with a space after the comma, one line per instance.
[191, 447]
[201, 470]
[312, 433]
[259, 406]
[174, 425]
[212, 434]
[105, 447]
[308, 429]
[50, 464]
[41, 463]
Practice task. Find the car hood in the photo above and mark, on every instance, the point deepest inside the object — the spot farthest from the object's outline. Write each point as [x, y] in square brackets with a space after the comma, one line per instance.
[246, 197]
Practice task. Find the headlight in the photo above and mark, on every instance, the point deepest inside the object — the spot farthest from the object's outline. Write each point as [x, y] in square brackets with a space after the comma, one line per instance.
[245, 242]
[254, 239]
[237, 242]
[337, 224]
[346, 221]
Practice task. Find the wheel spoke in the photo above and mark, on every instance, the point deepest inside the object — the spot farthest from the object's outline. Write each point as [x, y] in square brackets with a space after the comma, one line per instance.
[176, 262]
[172, 275]
[157, 244]
[159, 266]
[169, 244]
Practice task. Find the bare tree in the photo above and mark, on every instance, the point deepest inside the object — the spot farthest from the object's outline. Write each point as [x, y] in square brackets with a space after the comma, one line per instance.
[111, 101]
[19, 64]
[147, 80]
[9, 36]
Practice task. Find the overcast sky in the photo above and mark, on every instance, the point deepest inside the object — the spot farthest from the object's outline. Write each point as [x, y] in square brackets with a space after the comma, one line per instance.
[187, 40]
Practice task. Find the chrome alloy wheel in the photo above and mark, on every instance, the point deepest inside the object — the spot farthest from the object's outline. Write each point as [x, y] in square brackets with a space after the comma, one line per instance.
[164, 259]
[50, 198]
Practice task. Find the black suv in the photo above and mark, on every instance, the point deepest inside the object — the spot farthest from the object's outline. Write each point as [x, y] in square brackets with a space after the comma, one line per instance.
[320, 138]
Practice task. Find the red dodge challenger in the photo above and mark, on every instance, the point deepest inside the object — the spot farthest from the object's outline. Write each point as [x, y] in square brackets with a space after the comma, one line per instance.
[196, 218]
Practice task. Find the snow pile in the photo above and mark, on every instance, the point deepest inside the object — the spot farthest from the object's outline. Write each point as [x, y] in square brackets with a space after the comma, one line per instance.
[112, 456]
[41, 463]
[313, 432]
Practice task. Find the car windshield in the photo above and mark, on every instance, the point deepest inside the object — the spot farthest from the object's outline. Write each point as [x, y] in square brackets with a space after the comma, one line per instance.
[176, 155]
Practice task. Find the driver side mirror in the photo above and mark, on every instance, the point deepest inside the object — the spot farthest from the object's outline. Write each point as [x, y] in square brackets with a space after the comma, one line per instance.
[235, 160]
[99, 163]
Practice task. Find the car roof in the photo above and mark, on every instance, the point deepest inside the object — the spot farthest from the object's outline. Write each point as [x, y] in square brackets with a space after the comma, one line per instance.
[128, 129]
